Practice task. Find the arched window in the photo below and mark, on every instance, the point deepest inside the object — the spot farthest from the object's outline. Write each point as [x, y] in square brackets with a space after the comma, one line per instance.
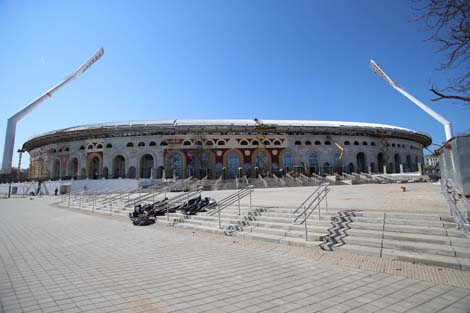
[243, 143]
[327, 143]
[233, 164]
[347, 143]
[277, 143]
[146, 165]
[99, 146]
[67, 149]
[397, 160]
[356, 143]
[317, 143]
[186, 143]
[109, 145]
[288, 162]
[297, 143]
[60, 150]
[119, 167]
[198, 143]
[393, 145]
[82, 148]
[372, 143]
[266, 143]
[163, 143]
[141, 144]
[174, 165]
[90, 147]
[221, 143]
[255, 142]
[308, 143]
[364, 143]
[313, 162]
[129, 144]
[209, 143]
[152, 144]
[361, 162]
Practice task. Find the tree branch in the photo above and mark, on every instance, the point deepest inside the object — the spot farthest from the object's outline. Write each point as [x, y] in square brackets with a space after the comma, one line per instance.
[443, 96]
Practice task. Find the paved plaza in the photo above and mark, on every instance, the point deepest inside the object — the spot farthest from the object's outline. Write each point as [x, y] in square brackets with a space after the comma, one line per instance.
[64, 260]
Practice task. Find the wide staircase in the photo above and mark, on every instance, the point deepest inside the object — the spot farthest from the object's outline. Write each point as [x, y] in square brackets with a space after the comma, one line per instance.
[429, 239]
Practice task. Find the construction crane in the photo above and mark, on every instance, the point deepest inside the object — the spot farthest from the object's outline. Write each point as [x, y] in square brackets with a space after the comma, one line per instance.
[14, 119]
[262, 129]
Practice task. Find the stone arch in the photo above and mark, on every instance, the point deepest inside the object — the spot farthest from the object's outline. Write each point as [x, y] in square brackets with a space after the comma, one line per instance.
[397, 162]
[233, 160]
[94, 165]
[175, 164]
[313, 162]
[73, 167]
[119, 166]
[56, 168]
[409, 164]
[261, 160]
[146, 165]
[361, 162]
[287, 160]
[380, 162]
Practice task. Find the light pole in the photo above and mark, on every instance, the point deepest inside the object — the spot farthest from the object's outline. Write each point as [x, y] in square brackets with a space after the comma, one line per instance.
[434, 114]
[14, 119]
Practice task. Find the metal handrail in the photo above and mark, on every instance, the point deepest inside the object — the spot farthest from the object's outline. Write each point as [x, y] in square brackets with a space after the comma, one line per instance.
[217, 207]
[462, 222]
[310, 204]
[309, 197]
[147, 196]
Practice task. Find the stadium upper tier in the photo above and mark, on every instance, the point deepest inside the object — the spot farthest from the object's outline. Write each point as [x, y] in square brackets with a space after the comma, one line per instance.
[175, 127]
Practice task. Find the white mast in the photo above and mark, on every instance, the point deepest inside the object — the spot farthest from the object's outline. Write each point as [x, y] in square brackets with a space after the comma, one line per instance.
[13, 120]
[434, 114]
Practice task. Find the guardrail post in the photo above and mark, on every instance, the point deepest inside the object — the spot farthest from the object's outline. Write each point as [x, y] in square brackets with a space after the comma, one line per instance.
[251, 190]
[239, 209]
[305, 224]
[220, 225]
[168, 212]
[69, 200]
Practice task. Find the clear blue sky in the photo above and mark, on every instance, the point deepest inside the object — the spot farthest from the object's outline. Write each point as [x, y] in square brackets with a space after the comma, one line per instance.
[217, 59]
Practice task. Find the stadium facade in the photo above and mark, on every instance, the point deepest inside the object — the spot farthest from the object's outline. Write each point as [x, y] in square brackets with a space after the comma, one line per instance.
[200, 148]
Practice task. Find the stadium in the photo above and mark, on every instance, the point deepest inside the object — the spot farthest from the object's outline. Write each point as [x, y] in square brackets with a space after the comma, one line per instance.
[223, 148]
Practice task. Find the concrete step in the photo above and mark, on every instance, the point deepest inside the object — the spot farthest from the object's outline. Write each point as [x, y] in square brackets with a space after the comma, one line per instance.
[301, 242]
[360, 250]
[425, 258]
[204, 228]
[362, 241]
[428, 248]
[264, 237]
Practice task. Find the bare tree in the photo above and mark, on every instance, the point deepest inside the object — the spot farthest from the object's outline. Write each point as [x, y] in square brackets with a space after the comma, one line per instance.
[448, 22]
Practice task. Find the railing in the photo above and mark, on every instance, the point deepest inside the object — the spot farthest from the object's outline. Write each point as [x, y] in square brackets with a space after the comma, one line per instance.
[184, 197]
[309, 205]
[228, 201]
[147, 196]
[450, 194]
